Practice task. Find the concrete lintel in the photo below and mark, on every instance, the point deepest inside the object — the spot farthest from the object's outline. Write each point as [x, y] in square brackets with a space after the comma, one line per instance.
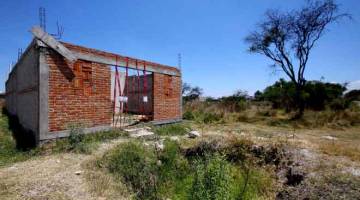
[66, 133]
[121, 63]
[53, 43]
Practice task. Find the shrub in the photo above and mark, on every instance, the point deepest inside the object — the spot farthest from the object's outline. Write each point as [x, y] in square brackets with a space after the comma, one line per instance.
[241, 106]
[243, 117]
[76, 135]
[238, 150]
[149, 174]
[339, 104]
[168, 174]
[202, 149]
[136, 165]
[208, 117]
[172, 159]
[174, 172]
[172, 129]
[211, 180]
[188, 115]
[330, 118]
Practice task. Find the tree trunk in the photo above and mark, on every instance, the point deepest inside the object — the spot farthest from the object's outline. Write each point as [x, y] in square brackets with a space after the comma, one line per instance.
[299, 101]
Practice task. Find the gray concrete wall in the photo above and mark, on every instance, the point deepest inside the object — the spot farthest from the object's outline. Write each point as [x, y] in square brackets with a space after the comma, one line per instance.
[22, 89]
[43, 94]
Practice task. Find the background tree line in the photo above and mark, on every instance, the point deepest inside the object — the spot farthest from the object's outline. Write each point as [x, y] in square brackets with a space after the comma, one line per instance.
[317, 96]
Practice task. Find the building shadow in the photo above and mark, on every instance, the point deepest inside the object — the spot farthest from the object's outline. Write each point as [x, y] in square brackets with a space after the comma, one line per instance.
[25, 139]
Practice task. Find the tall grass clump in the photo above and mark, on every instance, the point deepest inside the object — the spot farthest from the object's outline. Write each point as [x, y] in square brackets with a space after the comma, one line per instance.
[172, 129]
[150, 174]
[212, 180]
[137, 166]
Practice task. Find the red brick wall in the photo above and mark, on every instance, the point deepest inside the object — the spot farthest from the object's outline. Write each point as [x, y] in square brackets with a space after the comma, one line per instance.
[90, 105]
[167, 92]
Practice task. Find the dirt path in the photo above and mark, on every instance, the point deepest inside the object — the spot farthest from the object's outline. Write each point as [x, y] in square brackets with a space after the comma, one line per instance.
[59, 176]
[63, 176]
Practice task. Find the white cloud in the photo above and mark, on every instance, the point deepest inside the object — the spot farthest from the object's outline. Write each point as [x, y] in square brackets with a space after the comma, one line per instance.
[354, 85]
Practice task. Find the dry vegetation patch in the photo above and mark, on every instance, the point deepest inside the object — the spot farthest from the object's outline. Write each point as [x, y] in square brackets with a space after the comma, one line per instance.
[350, 151]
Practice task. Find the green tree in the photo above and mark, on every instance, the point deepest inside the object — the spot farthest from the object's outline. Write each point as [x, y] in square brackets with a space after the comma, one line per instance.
[191, 93]
[287, 38]
[316, 95]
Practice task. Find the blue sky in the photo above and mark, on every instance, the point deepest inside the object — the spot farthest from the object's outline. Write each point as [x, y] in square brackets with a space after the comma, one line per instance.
[209, 35]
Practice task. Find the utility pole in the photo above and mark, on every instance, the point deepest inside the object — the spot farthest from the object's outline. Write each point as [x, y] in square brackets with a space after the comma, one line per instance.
[179, 61]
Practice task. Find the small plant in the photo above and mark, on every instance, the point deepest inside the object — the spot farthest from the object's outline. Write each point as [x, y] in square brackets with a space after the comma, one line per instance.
[171, 159]
[208, 117]
[212, 180]
[188, 115]
[76, 135]
[137, 166]
[172, 129]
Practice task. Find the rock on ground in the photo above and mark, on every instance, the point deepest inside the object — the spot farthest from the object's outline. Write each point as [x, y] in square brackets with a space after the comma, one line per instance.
[194, 134]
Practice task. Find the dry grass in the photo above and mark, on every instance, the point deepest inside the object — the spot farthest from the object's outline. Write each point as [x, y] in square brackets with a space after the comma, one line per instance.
[102, 184]
[340, 149]
[48, 177]
[212, 113]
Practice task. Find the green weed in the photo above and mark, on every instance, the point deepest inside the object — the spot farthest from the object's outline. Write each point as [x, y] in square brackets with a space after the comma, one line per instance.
[172, 174]
[8, 151]
[172, 129]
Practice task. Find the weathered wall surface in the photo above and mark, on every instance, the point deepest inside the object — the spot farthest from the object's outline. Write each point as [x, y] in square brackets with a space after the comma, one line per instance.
[167, 93]
[22, 90]
[73, 99]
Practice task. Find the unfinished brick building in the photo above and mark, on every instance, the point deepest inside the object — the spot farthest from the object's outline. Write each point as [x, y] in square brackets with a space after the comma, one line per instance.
[55, 83]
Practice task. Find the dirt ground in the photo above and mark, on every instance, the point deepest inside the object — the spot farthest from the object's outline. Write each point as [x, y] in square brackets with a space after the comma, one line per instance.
[307, 142]
[59, 176]
[66, 175]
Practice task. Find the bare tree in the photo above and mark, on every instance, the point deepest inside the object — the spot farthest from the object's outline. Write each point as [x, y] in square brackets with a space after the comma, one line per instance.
[190, 93]
[185, 88]
[287, 38]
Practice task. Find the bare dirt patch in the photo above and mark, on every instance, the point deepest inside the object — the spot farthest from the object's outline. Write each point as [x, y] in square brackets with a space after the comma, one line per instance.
[59, 176]
[49, 177]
